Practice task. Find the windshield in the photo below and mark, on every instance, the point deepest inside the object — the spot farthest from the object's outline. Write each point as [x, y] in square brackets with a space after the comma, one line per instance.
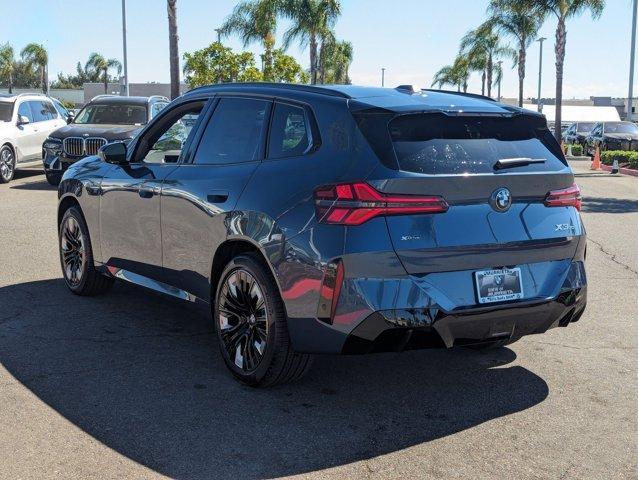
[437, 144]
[6, 111]
[624, 127]
[585, 127]
[112, 115]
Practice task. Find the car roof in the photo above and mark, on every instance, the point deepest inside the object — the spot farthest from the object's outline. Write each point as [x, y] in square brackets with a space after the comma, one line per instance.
[122, 100]
[402, 99]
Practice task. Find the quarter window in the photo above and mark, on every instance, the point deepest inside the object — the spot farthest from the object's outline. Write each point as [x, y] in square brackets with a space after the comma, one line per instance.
[235, 132]
[289, 132]
[157, 107]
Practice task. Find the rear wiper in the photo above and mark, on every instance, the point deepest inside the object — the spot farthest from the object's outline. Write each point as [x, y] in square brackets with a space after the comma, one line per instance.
[516, 162]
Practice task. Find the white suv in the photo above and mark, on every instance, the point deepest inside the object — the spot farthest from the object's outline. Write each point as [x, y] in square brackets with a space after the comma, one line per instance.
[26, 120]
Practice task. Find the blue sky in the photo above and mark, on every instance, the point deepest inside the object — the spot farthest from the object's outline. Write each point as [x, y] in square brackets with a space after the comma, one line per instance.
[412, 39]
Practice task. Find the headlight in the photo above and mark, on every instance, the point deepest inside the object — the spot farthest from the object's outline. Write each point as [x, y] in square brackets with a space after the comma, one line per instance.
[53, 144]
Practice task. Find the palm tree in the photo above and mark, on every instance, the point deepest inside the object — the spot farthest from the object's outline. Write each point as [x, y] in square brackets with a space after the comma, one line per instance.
[256, 21]
[312, 20]
[456, 74]
[336, 59]
[173, 49]
[484, 44]
[6, 64]
[517, 19]
[35, 55]
[564, 10]
[100, 65]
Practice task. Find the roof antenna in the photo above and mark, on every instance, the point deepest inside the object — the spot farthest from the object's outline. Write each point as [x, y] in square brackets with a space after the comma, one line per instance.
[409, 89]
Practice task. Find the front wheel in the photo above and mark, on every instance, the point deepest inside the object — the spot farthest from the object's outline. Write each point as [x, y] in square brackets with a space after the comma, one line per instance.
[7, 164]
[76, 257]
[251, 325]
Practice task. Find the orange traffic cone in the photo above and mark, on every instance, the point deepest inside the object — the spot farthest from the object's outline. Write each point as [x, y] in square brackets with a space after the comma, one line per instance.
[595, 165]
[562, 147]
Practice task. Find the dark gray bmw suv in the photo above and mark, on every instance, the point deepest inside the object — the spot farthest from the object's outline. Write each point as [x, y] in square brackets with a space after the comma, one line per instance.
[334, 220]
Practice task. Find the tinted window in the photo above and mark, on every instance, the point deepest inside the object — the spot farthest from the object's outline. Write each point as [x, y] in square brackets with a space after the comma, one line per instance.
[6, 111]
[25, 110]
[234, 134]
[288, 133]
[621, 127]
[169, 141]
[157, 107]
[112, 114]
[61, 109]
[438, 144]
[585, 127]
[40, 111]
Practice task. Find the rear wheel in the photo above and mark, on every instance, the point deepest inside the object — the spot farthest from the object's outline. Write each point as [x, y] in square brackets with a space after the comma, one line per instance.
[7, 164]
[76, 257]
[252, 328]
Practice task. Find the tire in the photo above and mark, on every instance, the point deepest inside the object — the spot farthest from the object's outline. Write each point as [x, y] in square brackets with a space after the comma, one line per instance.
[7, 164]
[53, 178]
[240, 321]
[76, 256]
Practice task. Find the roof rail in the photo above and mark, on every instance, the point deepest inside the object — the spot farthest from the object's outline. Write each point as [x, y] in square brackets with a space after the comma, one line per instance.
[104, 95]
[462, 94]
[288, 86]
[11, 95]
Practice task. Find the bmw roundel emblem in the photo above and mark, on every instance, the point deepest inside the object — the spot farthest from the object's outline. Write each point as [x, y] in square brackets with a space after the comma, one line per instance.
[501, 200]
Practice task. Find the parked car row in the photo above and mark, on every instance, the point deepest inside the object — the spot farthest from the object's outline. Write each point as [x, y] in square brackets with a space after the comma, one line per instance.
[603, 135]
[35, 128]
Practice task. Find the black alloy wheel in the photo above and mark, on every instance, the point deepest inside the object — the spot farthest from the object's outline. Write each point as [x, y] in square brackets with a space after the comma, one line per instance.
[251, 325]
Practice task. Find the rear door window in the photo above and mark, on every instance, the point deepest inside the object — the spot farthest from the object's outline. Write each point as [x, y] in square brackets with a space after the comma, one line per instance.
[289, 132]
[440, 144]
[235, 132]
[40, 111]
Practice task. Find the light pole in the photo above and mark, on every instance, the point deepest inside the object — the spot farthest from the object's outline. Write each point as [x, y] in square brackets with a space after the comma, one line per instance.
[125, 85]
[632, 59]
[540, 74]
[500, 78]
[383, 77]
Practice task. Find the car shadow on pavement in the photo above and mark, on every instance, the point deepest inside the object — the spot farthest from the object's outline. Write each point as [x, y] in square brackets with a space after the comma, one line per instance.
[34, 186]
[143, 375]
[26, 173]
[609, 205]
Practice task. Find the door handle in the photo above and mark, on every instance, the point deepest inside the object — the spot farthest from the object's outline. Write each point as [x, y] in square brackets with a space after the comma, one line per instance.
[148, 192]
[217, 197]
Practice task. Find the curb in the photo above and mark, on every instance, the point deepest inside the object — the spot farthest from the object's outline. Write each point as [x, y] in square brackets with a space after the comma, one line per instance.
[624, 171]
[581, 158]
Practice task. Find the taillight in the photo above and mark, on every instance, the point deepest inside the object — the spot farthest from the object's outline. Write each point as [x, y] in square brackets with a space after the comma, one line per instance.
[567, 197]
[356, 203]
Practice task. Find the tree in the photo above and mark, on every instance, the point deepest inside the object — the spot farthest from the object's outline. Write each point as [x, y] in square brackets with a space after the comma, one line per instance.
[337, 57]
[256, 21]
[456, 74]
[312, 20]
[7, 64]
[286, 69]
[35, 55]
[97, 64]
[484, 44]
[564, 10]
[517, 19]
[173, 49]
[219, 64]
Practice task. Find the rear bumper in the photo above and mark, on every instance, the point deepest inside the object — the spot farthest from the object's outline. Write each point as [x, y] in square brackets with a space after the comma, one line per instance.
[424, 323]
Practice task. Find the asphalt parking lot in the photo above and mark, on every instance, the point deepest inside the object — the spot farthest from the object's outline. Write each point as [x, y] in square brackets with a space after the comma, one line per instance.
[131, 385]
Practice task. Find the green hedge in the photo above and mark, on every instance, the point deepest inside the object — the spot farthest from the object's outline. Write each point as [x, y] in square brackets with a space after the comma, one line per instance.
[577, 150]
[609, 156]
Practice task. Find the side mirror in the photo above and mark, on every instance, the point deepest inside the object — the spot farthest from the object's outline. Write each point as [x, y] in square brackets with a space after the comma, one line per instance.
[70, 117]
[114, 153]
[22, 120]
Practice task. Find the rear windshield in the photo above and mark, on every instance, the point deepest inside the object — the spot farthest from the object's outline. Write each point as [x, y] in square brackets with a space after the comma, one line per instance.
[621, 128]
[112, 114]
[585, 127]
[6, 111]
[439, 144]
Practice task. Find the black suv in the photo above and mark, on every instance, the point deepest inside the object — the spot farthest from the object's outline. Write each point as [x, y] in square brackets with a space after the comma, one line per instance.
[106, 118]
[334, 220]
[612, 136]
